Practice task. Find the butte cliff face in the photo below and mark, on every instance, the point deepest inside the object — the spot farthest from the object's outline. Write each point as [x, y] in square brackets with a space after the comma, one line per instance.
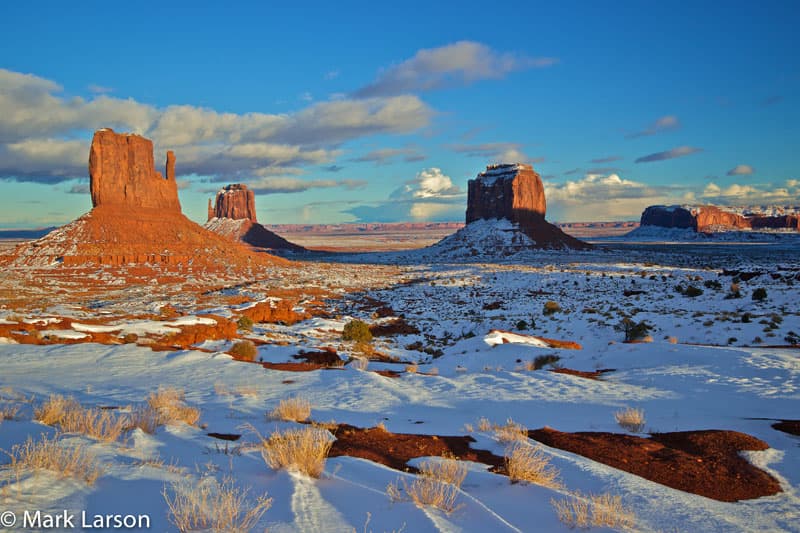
[136, 218]
[122, 174]
[514, 192]
[710, 218]
[233, 215]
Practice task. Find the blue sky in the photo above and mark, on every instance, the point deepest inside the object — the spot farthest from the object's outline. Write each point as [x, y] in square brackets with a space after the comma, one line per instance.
[352, 111]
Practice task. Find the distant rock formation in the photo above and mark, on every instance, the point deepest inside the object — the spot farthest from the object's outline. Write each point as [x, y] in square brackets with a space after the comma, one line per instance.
[234, 201]
[233, 215]
[514, 192]
[136, 218]
[122, 173]
[710, 218]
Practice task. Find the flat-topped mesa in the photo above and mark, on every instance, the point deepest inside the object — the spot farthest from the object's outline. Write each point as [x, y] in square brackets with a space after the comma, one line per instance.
[511, 191]
[710, 218]
[122, 173]
[515, 192]
[234, 201]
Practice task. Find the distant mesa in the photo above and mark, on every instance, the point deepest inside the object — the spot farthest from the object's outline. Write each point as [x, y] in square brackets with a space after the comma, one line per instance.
[711, 218]
[136, 217]
[233, 215]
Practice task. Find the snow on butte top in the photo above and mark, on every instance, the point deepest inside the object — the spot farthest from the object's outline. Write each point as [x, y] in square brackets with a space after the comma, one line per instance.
[502, 171]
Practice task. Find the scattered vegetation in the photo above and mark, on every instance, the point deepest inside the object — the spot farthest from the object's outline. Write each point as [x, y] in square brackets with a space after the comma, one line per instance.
[551, 307]
[603, 510]
[71, 417]
[630, 419]
[244, 350]
[245, 323]
[437, 485]
[303, 450]
[712, 284]
[292, 409]
[792, 338]
[218, 507]
[8, 412]
[73, 461]
[760, 294]
[735, 292]
[634, 331]
[356, 330]
[169, 404]
[529, 463]
[511, 432]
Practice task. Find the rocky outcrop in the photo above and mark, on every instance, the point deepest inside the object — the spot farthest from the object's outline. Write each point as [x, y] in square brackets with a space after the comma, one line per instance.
[710, 218]
[136, 219]
[515, 192]
[233, 215]
[234, 201]
[122, 173]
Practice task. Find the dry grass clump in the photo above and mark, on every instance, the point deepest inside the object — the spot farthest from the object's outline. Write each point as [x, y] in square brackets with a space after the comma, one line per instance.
[412, 368]
[303, 450]
[528, 463]
[437, 485]
[71, 417]
[292, 409]
[8, 412]
[511, 432]
[244, 350]
[145, 418]
[630, 419]
[601, 510]
[48, 454]
[212, 506]
[168, 403]
[484, 425]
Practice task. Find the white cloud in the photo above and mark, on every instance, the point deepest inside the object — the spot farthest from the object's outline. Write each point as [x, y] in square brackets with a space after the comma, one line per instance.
[665, 123]
[458, 63]
[736, 194]
[39, 127]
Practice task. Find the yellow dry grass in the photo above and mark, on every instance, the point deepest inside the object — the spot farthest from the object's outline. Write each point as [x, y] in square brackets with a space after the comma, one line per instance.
[302, 450]
[71, 417]
[630, 419]
[292, 409]
[168, 402]
[218, 507]
[593, 510]
[73, 461]
[511, 432]
[529, 463]
[8, 412]
[447, 469]
[437, 485]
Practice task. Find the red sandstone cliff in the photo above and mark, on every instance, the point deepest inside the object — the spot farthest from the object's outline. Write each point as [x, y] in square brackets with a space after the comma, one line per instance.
[515, 192]
[709, 218]
[234, 201]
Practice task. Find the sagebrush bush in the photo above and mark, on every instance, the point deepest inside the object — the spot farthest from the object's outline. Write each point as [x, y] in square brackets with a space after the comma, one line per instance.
[529, 463]
[630, 419]
[356, 330]
[71, 417]
[541, 361]
[551, 307]
[760, 294]
[244, 350]
[245, 323]
[633, 331]
[691, 291]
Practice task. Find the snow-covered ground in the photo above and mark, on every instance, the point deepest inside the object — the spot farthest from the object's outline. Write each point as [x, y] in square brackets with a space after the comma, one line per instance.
[709, 366]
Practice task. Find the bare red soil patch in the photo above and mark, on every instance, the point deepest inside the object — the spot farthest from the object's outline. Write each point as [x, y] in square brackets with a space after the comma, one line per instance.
[791, 427]
[399, 326]
[295, 367]
[388, 373]
[582, 373]
[395, 450]
[705, 462]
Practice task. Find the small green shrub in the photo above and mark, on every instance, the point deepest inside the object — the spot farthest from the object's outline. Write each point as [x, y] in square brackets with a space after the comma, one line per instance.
[245, 323]
[356, 330]
[760, 294]
[551, 307]
[244, 350]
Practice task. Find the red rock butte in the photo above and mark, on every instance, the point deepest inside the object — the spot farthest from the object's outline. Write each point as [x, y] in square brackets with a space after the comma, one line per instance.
[233, 215]
[136, 218]
[709, 218]
[515, 192]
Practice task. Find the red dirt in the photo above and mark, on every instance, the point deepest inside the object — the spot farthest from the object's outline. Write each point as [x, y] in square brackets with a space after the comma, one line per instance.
[791, 427]
[399, 326]
[273, 312]
[704, 462]
[582, 373]
[396, 449]
[296, 367]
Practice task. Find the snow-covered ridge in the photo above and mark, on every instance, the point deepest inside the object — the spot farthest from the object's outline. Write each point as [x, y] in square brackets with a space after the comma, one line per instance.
[502, 171]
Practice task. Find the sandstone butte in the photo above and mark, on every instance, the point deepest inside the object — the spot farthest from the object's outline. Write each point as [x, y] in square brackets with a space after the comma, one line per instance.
[515, 192]
[708, 218]
[136, 218]
[233, 215]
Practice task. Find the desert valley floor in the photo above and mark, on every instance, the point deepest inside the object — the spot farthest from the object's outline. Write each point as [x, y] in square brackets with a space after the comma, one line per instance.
[470, 359]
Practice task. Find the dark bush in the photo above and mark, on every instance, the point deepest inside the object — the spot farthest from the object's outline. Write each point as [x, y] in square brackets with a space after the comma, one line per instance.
[760, 294]
[692, 291]
[542, 361]
[633, 331]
